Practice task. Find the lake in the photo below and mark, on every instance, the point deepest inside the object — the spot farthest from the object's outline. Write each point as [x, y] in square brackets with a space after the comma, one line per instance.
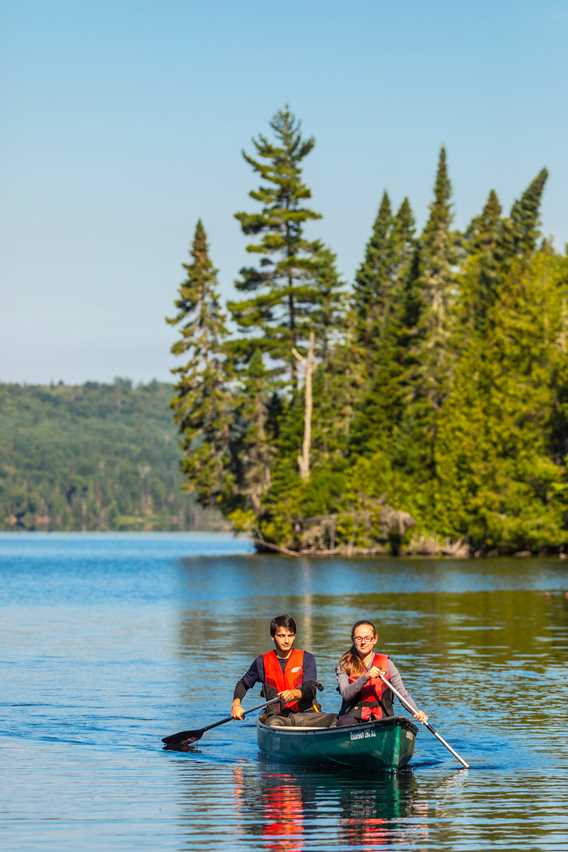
[111, 641]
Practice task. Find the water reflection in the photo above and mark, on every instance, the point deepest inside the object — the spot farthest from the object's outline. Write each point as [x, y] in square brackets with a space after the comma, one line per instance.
[290, 809]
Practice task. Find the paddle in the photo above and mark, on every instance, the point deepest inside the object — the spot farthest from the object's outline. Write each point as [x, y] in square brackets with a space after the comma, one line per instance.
[188, 737]
[426, 724]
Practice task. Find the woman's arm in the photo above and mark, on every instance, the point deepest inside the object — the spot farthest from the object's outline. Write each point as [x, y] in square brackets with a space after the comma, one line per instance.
[347, 690]
[397, 682]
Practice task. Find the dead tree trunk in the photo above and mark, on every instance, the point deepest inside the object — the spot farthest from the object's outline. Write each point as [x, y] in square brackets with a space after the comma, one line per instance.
[308, 363]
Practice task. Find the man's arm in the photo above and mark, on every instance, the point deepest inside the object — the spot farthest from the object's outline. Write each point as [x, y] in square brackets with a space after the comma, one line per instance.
[248, 680]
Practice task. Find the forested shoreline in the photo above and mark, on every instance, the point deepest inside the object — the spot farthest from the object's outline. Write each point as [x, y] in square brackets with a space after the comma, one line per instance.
[420, 408]
[92, 457]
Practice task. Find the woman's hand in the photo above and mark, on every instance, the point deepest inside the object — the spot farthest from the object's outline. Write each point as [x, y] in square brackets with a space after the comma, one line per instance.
[237, 710]
[374, 672]
[290, 695]
[421, 716]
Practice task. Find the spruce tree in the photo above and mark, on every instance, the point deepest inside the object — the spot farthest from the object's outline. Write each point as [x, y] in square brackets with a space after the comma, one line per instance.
[283, 292]
[373, 279]
[522, 230]
[201, 404]
[428, 380]
[482, 270]
[380, 410]
[329, 316]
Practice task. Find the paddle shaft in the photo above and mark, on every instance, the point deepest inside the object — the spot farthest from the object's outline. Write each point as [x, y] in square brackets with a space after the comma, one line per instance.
[432, 730]
[231, 719]
[198, 733]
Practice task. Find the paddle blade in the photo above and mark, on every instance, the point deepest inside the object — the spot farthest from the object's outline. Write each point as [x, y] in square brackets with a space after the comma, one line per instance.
[182, 738]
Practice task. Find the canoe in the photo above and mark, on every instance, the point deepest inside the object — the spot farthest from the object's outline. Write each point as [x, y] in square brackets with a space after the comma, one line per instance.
[386, 744]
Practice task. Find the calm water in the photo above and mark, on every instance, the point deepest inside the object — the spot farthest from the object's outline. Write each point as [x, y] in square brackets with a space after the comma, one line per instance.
[109, 642]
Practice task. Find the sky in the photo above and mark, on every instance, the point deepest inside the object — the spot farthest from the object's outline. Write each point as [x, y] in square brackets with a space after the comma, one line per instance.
[124, 122]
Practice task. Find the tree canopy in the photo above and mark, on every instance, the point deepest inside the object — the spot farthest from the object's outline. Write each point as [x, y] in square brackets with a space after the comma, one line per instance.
[432, 413]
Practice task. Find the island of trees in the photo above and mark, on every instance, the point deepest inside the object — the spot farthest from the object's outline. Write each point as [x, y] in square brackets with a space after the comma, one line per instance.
[422, 409]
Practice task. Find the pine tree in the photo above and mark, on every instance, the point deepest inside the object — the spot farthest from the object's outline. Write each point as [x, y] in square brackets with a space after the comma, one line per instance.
[522, 230]
[482, 270]
[373, 277]
[380, 410]
[201, 404]
[329, 316]
[436, 284]
[283, 292]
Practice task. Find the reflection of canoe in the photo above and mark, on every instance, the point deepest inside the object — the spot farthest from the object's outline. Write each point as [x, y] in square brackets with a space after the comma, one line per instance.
[387, 744]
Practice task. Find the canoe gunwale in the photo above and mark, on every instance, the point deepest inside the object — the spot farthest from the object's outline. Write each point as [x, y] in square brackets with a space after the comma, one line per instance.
[377, 724]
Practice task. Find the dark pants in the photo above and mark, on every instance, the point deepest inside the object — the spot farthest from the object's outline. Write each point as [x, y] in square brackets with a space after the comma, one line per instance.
[346, 720]
[300, 720]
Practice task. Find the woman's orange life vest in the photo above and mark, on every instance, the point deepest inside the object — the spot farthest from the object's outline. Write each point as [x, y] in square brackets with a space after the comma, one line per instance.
[375, 698]
[276, 680]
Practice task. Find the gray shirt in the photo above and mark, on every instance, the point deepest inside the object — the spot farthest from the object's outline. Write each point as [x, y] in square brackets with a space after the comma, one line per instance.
[349, 690]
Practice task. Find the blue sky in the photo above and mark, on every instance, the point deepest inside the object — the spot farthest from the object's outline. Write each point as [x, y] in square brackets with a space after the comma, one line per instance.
[123, 123]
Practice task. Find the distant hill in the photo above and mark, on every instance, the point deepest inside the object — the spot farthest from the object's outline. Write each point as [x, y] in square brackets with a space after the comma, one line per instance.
[92, 457]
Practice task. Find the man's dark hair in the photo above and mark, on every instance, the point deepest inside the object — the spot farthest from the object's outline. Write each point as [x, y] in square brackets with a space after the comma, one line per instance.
[285, 621]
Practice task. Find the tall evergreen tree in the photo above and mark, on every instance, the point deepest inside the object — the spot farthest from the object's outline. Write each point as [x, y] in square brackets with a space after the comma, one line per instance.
[482, 270]
[522, 230]
[373, 279]
[201, 403]
[329, 316]
[283, 291]
[380, 409]
[432, 356]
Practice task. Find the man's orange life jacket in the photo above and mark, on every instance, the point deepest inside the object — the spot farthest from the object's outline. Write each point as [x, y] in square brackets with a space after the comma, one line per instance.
[374, 701]
[276, 680]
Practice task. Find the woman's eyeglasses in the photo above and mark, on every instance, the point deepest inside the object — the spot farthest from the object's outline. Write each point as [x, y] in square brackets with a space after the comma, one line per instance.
[363, 639]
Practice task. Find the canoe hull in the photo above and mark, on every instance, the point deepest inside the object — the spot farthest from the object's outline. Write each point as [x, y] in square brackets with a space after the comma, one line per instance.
[387, 744]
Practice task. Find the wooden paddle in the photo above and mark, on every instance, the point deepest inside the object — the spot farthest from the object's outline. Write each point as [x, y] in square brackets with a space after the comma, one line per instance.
[426, 724]
[185, 738]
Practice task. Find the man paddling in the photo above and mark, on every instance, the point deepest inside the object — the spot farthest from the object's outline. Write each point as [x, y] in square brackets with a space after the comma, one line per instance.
[286, 672]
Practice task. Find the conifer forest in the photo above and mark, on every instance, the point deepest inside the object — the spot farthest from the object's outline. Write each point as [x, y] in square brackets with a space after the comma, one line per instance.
[420, 408]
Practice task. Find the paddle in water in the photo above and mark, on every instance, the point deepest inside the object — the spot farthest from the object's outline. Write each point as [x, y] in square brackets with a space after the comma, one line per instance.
[426, 724]
[186, 738]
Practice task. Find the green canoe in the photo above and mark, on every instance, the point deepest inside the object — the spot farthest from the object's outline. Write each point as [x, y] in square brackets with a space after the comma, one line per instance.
[387, 744]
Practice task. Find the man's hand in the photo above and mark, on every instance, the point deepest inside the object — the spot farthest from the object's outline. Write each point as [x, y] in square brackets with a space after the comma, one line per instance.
[237, 710]
[290, 695]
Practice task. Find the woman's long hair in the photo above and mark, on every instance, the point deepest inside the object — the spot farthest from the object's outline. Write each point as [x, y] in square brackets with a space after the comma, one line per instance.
[350, 662]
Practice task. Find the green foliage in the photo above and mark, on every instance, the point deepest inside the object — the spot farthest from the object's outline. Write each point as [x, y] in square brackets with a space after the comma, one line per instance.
[92, 457]
[201, 404]
[522, 230]
[440, 383]
[292, 290]
[498, 483]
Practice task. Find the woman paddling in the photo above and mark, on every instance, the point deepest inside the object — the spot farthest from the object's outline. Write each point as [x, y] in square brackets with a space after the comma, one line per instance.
[365, 696]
